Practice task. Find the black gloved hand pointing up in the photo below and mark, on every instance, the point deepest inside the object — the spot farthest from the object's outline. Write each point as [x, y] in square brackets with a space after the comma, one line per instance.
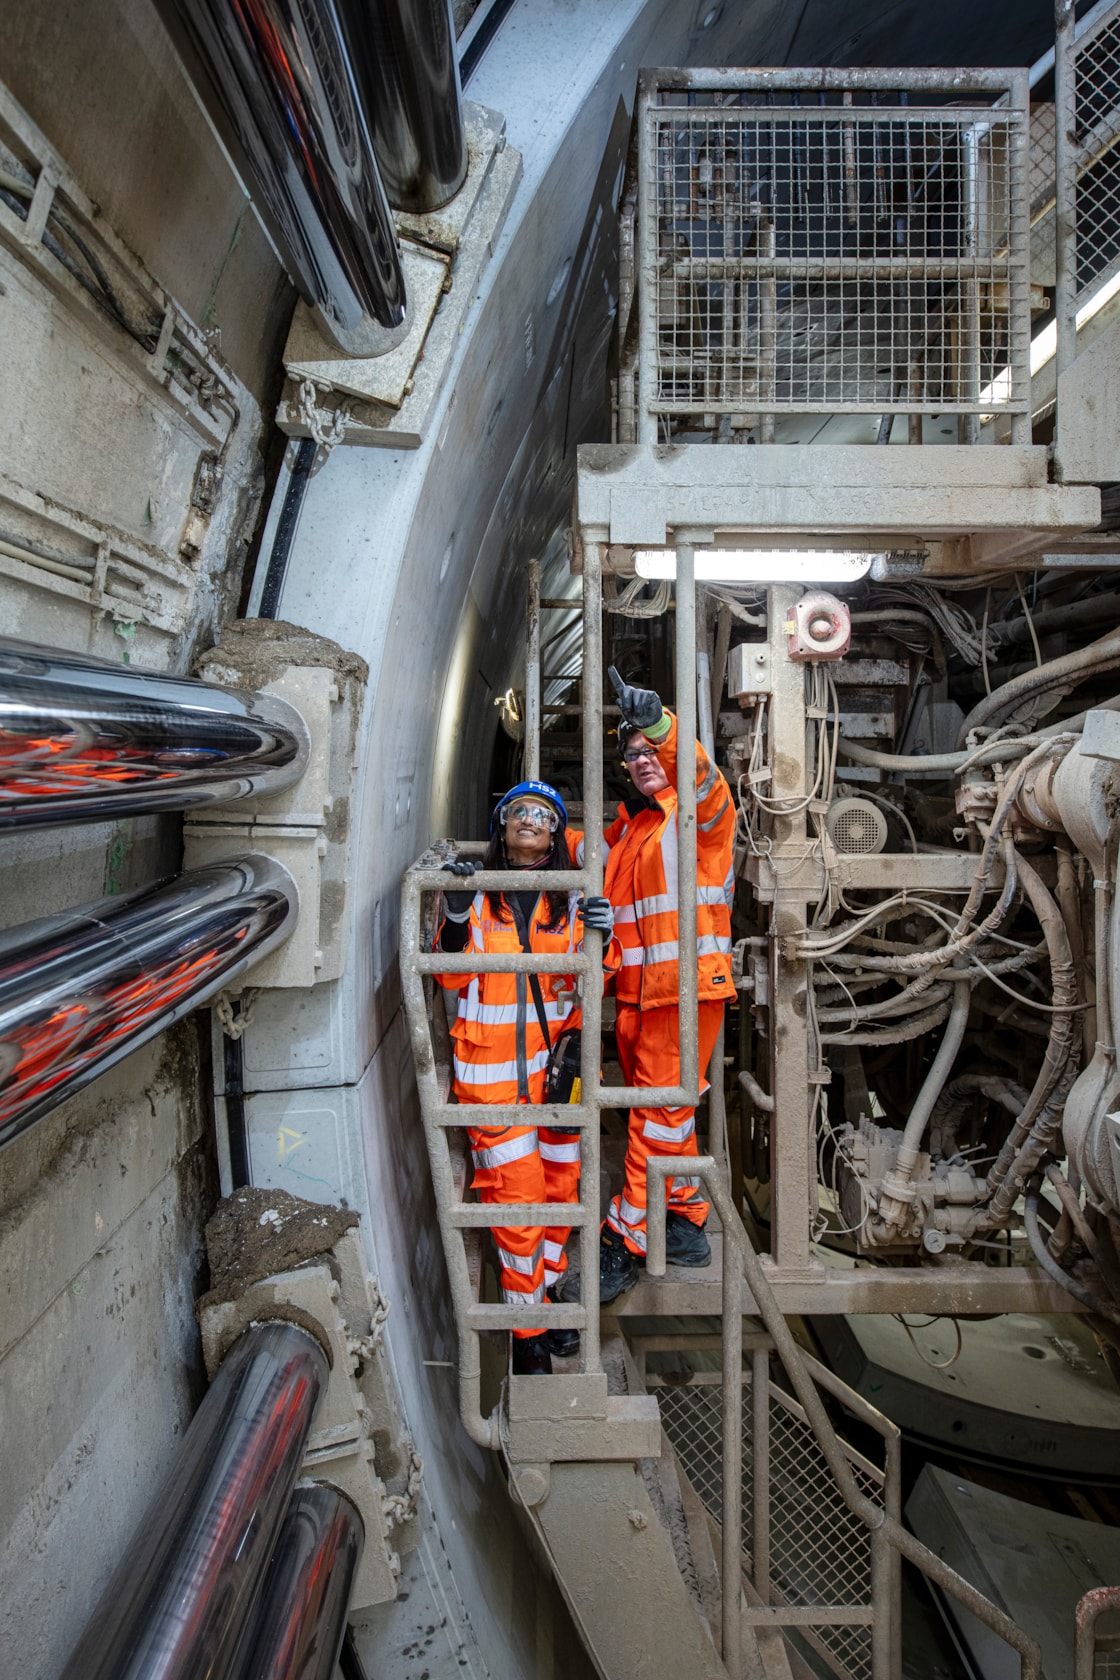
[639, 706]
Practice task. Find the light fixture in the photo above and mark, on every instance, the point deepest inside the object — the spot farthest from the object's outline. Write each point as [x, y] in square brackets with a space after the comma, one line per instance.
[760, 565]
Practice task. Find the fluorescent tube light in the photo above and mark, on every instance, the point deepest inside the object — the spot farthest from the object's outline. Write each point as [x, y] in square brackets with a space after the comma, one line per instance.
[759, 565]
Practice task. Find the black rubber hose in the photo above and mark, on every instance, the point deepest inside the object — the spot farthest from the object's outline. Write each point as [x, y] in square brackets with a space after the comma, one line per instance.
[1103, 1309]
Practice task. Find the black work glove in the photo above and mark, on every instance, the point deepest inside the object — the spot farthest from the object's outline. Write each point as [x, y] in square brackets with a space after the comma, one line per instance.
[639, 706]
[458, 904]
[597, 913]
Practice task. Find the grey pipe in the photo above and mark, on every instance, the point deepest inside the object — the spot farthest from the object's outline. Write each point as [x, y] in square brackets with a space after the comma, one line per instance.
[897, 1192]
[297, 1629]
[82, 740]
[174, 1606]
[1069, 670]
[936, 1078]
[275, 80]
[406, 68]
[80, 990]
[688, 962]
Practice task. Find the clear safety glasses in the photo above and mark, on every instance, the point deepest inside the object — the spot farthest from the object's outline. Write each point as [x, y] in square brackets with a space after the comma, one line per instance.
[537, 816]
[639, 752]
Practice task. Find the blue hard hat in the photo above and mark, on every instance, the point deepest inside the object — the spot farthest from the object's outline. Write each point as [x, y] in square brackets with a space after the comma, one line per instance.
[537, 790]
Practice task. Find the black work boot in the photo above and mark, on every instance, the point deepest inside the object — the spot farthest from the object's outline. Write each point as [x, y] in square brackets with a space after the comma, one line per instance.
[563, 1343]
[618, 1268]
[531, 1357]
[685, 1243]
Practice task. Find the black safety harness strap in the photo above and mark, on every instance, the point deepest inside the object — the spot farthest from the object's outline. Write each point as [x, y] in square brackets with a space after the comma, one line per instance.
[534, 979]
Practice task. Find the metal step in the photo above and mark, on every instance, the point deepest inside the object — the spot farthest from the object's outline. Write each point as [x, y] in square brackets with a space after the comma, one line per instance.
[616, 1532]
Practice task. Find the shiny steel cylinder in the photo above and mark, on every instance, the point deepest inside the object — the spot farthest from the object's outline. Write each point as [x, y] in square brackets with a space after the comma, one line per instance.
[297, 1629]
[174, 1607]
[80, 990]
[275, 80]
[82, 740]
[403, 56]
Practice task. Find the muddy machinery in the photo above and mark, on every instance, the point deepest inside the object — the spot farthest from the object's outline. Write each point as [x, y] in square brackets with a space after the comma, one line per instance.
[902, 643]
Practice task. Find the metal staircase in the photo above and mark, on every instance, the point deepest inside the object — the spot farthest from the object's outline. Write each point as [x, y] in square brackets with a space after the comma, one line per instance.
[779, 263]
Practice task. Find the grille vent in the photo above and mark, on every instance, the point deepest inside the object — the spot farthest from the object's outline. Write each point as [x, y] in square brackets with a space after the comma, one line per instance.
[856, 826]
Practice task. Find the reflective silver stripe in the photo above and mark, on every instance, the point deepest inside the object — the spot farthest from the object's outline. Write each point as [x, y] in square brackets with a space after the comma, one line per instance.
[712, 944]
[712, 821]
[497, 1073]
[711, 895]
[505, 1014]
[523, 1297]
[668, 850]
[705, 787]
[624, 913]
[729, 886]
[560, 1151]
[630, 1214]
[524, 1263]
[618, 1222]
[553, 1253]
[501, 1154]
[632, 956]
[685, 1183]
[669, 1134]
[656, 906]
[669, 952]
[579, 852]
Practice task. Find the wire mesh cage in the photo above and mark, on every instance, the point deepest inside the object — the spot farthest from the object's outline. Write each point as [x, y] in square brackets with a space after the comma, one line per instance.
[833, 249]
[819, 1553]
[1097, 133]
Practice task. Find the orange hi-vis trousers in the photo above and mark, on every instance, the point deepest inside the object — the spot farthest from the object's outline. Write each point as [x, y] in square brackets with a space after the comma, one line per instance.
[649, 1054]
[526, 1164]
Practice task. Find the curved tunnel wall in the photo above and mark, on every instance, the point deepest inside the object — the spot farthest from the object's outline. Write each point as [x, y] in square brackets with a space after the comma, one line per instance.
[404, 558]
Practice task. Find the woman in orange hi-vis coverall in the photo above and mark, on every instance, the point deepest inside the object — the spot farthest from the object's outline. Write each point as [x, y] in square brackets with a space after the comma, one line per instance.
[641, 884]
[501, 1043]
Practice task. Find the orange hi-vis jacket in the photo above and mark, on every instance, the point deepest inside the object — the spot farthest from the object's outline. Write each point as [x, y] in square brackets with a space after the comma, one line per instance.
[500, 1054]
[641, 883]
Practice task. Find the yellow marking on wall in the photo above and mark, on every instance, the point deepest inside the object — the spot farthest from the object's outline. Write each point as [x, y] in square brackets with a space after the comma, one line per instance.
[287, 1142]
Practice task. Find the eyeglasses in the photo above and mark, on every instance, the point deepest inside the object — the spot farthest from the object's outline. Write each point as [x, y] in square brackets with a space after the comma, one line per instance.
[639, 752]
[537, 816]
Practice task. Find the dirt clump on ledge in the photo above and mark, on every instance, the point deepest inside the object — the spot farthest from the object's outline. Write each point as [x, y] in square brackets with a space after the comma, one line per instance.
[255, 1233]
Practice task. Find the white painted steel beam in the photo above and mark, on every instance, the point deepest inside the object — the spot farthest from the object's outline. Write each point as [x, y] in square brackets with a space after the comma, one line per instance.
[639, 494]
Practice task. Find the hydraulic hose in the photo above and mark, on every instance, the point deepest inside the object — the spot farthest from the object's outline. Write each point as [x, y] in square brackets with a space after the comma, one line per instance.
[1034, 1130]
[898, 1190]
[941, 1067]
[1069, 670]
[915, 1026]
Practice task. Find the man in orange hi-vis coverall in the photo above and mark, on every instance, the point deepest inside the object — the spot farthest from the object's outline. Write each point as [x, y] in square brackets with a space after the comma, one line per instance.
[503, 1029]
[641, 884]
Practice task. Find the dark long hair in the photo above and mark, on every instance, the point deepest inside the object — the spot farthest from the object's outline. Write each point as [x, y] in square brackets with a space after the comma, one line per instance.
[558, 857]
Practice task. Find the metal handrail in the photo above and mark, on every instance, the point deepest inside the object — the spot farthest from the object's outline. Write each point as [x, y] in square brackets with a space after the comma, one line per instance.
[887, 1532]
[1089, 1607]
[439, 1117]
